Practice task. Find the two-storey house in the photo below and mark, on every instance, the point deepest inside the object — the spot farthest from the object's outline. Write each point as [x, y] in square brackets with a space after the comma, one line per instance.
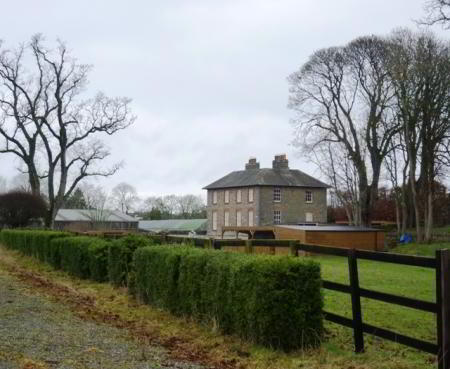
[265, 196]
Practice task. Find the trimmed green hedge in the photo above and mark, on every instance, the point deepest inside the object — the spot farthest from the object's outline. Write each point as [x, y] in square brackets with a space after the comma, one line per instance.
[274, 301]
[83, 257]
[33, 243]
[120, 257]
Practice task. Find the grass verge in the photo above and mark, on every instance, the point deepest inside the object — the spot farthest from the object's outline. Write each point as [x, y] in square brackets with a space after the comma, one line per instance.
[187, 340]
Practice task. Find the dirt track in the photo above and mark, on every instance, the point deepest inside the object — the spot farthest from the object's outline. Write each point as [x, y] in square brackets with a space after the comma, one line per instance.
[38, 333]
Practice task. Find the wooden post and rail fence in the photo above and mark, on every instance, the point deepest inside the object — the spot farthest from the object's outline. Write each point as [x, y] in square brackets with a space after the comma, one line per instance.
[441, 264]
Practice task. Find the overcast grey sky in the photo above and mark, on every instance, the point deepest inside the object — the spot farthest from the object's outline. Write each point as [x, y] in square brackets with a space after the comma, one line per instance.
[207, 78]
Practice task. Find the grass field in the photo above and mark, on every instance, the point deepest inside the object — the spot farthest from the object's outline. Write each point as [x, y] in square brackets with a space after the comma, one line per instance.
[336, 351]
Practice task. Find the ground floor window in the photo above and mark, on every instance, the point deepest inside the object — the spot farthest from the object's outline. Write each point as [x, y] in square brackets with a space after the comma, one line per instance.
[250, 218]
[309, 217]
[214, 220]
[238, 218]
[227, 218]
[276, 217]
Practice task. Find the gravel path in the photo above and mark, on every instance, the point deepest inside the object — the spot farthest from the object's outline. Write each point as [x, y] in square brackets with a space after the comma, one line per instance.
[36, 333]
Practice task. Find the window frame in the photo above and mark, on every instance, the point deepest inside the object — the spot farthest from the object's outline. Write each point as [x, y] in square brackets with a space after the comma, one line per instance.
[277, 217]
[306, 217]
[250, 218]
[238, 196]
[226, 218]
[214, 220]
[277, 194]
[311, 198]
[238, 218]
[250, 198]
[214, 197]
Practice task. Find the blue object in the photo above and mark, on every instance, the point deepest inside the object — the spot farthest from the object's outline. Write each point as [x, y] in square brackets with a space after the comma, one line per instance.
[406, 238]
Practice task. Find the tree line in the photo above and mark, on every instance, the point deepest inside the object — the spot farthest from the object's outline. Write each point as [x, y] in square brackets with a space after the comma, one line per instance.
[124, 198]
[378, 105]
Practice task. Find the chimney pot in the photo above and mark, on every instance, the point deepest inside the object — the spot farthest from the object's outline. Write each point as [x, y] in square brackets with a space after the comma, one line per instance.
[252, 164]
[280, 162]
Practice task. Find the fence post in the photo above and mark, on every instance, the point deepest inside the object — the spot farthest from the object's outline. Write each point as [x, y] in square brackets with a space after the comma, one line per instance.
[215, 245]
[443, 303]
[248, 247]
[293, 248]
[356, 301]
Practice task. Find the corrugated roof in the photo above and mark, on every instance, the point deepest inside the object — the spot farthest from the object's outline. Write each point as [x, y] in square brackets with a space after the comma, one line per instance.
[328, 228]
[168, 225]
[81, 215]
[267, 177]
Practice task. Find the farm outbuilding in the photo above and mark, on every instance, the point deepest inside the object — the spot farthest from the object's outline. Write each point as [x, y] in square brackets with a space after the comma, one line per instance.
[174, 226]
[328, 235]
[84, 220]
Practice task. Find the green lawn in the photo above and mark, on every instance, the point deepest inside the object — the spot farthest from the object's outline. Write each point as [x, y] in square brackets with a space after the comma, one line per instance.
[401, 280]
[421, 249]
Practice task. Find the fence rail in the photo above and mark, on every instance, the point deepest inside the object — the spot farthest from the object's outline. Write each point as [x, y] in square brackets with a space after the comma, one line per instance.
[441, 263]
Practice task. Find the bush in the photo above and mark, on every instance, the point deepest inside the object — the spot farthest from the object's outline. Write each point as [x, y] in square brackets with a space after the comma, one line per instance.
[274, 301]
[19, 208]
[83, 257]
[34, 243]
[120, 257]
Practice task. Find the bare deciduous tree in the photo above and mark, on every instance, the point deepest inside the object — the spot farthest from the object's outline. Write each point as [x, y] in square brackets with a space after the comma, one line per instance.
[437, 12]
[124, 196]
[333, 163]
[48, 123]
[420, 68]
[344, 95]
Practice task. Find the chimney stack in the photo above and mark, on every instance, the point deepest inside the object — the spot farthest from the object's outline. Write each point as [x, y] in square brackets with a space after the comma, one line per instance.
[252, 164]
[280, 162]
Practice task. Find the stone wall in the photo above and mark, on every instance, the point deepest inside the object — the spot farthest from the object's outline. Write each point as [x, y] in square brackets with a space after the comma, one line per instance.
[232, 207]
[293, 206]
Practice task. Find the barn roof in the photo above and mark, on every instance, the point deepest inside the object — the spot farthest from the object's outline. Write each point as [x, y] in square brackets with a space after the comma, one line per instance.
[86, 215]
[169, 225]
[267, 177]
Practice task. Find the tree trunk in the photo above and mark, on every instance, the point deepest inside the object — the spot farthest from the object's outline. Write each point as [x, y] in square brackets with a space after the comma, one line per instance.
[397, 214]
[429, 219]
[419, 237]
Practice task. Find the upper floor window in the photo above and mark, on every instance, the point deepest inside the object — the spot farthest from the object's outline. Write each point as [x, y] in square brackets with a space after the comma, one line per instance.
[250, 195]
[227, 218]
[239, 196]
[277, 194]
[227, 197]
[277, 217]
[308, 196]
[214, 197]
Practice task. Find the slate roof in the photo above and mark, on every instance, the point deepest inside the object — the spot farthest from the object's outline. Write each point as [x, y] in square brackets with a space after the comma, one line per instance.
[267, 177]
[173, 225]
[86, 215]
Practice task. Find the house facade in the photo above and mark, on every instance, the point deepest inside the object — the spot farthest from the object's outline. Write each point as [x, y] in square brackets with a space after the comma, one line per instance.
[257, 197]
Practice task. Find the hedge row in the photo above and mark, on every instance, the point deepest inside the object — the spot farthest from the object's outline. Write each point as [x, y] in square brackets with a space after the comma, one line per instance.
[33, 243]
[274, 301]
[84, 257]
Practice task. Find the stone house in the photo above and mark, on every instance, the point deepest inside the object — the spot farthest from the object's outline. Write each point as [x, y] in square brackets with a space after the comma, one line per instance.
[257, 197]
